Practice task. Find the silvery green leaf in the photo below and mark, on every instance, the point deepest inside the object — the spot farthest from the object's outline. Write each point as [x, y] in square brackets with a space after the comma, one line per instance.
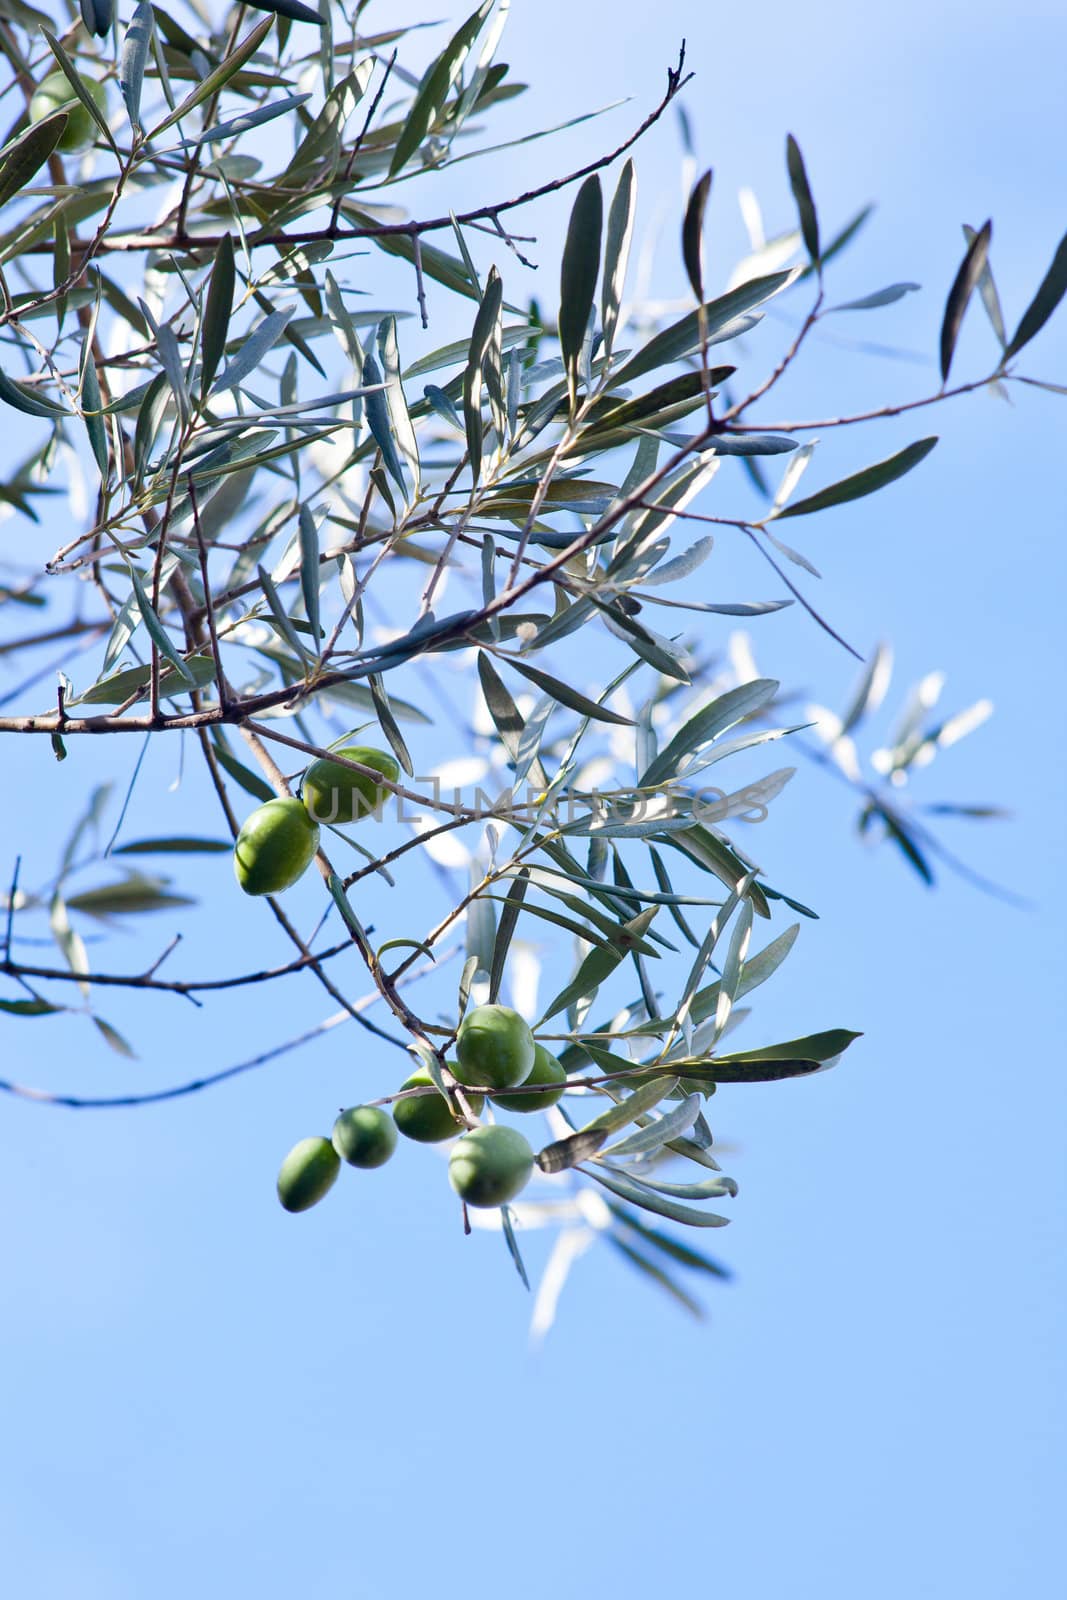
[133, 59]
[880, 297]
[868, 481]
[579, 272]
[481, 337]
[253, 349]
[683, 338]
[617, 251]
[156, 631]
[671, 1124]
[631, 1106]
[798, 180]
[639, 1194]
[681, 566]
[988, 291]
[429, 104]
[250, 119]
[210, 86]
[394, 396]
[713, 719]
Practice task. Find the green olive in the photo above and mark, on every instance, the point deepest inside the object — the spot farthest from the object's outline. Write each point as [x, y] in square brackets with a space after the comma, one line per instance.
[495, 1048]
[308, 1172]
[364, 1136]
[427, 1117]
[547, 1070]
[275, 847]
[333, 793]
[54, 93]
[490, 1165]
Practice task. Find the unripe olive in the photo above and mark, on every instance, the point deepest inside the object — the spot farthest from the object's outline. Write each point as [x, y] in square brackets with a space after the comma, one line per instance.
[547, 1070]
[275, 846]
[495, 1048]
[427, 1117]
[490, 1165]
[333, 793]
[364, 1136]
[308, 1172]
[55, 93]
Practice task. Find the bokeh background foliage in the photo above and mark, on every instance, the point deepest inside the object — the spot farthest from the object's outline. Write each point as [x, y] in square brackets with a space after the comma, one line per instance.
[230, 416]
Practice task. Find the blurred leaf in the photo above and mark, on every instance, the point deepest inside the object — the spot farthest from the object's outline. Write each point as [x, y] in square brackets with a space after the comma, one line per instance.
[988, 291]
[133, 894]
[513, 1244]
[1050, 293]
[693, 234]
[880, 297]
[30, 1008]
[863, 483]
[639, 1194]
[115, 1040]
[649, 1268]
[175, 846]
[250, 781]
[970, 270]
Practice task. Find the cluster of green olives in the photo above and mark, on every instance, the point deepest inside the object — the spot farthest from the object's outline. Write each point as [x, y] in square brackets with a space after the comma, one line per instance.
[277, 843]
[489, 1165]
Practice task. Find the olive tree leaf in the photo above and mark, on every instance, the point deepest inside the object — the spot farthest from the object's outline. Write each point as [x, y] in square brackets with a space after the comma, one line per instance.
[218, 308]
[484, 324]
[429, 104]
[617, 251]
[70, 72]
[863, 483]
[640, 1194]
[880, 297]
[1051, 291]
[963, 286]
[133, 58]
[798, 182]
[27, 400]
[293, 9]
[579, 272]
[220, 77]
[23, 157]
[693, 234]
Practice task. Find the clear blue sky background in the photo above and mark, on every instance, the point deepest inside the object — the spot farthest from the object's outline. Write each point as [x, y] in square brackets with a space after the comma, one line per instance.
[204, 1395]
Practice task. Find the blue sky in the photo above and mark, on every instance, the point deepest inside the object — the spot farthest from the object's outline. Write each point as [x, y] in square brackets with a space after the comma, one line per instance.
[206, 1394]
